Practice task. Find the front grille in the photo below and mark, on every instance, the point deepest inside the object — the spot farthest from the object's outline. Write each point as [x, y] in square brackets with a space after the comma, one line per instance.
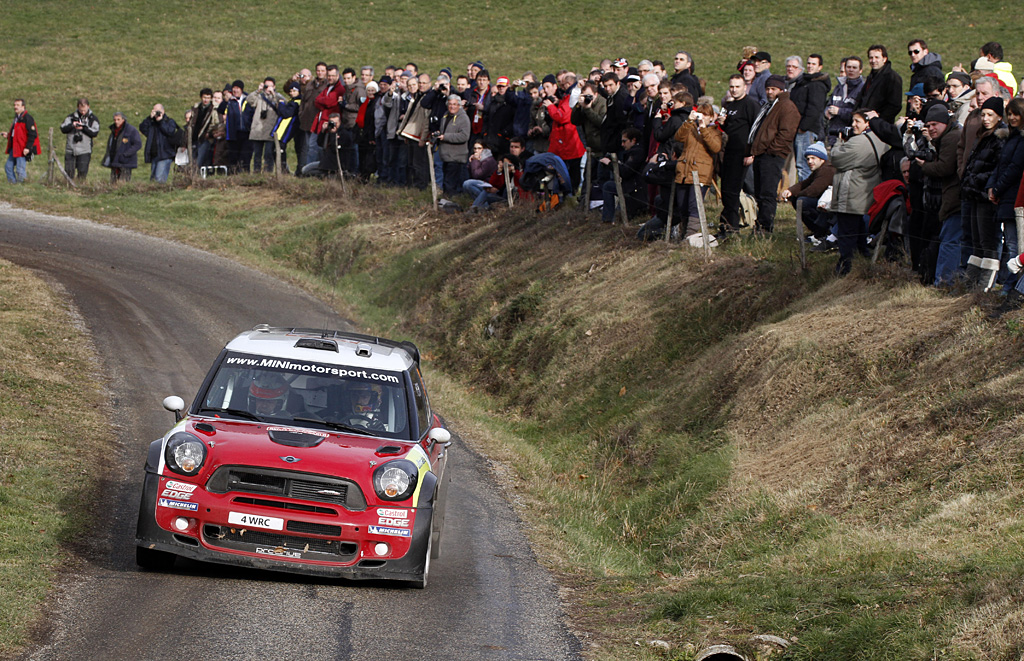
[314, 528]
[290, 484]
[281, 505]
[249, 539]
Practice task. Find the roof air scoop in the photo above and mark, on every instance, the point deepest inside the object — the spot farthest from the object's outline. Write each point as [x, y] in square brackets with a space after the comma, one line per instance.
[364, 350]
[317, 343]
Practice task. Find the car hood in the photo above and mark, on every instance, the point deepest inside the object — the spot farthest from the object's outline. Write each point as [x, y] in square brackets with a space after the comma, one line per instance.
[304, 449]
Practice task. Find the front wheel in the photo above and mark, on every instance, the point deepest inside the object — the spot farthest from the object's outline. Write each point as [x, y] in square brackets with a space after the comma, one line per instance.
[421, 582]
[153, 559]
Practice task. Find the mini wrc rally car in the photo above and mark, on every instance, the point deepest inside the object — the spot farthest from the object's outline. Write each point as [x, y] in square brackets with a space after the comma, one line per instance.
[304, 451]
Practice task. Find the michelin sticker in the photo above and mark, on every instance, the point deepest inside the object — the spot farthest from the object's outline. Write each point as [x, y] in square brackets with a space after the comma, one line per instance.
[395, 532]
[177, 504]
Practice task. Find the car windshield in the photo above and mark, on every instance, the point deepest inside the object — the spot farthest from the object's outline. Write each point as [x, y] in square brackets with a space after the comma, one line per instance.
[304, 393]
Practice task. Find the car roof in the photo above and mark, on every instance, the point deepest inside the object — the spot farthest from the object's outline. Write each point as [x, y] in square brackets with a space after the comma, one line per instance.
[327, 346]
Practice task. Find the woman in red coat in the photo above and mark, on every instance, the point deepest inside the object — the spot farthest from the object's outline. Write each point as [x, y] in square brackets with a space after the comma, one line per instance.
[565, 139]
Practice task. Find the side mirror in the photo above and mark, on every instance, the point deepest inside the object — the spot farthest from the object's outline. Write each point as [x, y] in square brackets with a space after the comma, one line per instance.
[439, 435]
[175, 405]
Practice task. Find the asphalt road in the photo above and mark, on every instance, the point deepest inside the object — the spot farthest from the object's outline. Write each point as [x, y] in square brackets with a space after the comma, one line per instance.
[158, 313]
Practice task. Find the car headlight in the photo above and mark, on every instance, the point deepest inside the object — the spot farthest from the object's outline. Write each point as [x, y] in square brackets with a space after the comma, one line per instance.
[185, 453]
[395, 480]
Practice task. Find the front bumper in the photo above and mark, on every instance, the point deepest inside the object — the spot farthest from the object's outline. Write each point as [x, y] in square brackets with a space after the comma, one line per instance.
[212, 539]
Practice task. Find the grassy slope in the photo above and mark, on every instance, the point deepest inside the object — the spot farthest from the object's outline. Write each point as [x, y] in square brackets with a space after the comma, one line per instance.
[727, 449]
[52, 431]
[709, 451]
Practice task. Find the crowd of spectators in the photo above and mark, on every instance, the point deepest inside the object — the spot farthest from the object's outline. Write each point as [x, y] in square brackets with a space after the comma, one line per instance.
[937, 162]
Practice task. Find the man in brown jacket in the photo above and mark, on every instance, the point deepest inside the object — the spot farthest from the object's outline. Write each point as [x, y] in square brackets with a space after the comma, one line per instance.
[771, 141]
[311, 88]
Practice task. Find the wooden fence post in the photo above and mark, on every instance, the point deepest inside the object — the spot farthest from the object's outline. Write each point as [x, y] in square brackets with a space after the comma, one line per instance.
[671, 209]
[277, 157]
[508, 183]
[51, 156]
[618, 189]
[586, 180]
[433, 176]
[700, 213]
[800, 233]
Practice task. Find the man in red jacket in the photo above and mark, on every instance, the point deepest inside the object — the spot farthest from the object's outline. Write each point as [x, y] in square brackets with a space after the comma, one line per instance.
[22, 143]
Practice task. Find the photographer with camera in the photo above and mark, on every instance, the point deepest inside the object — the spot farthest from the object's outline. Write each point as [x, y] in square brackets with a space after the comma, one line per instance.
[540, 124]
[589, 115]
[264, 118]
[565, 140]
[857, 160]
[940, 259]
[329, 141]
[159, 130]
[81, 127]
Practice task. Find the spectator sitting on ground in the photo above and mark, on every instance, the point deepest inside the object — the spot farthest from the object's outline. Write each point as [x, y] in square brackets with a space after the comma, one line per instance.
[631, 165]
[817, 221]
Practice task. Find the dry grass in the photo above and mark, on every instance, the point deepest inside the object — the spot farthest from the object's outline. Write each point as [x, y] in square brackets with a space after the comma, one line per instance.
[48, 395]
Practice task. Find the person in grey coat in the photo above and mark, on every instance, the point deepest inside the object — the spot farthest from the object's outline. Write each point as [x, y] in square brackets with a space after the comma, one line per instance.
[858, 163]
[451, 145]
[264, 118]
[81, 127]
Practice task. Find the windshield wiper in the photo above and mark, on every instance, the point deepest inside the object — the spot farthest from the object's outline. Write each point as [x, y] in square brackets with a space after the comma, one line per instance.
[335, 425]
[241, 413]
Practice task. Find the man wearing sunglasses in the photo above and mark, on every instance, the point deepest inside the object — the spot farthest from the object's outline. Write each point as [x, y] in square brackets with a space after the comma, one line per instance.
[923, 63]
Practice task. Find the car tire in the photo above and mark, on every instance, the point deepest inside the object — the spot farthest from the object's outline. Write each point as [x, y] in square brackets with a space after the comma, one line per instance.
[421, 582]
[437, 524]
[153, 559]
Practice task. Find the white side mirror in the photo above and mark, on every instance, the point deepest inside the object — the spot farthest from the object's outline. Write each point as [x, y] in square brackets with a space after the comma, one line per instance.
[175, 405]
[439, 435]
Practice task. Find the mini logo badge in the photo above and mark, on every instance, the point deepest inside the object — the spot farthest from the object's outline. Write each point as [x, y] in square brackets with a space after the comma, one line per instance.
[290, 459]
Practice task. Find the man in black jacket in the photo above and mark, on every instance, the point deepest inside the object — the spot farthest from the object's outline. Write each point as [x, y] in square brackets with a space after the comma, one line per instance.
[631, 166]
[883, 89]
[809, 93]
[737, 118]
[159, 130]
[684, 74]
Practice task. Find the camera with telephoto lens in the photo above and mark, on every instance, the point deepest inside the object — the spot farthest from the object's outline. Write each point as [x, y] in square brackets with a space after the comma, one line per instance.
[843, 133]
[926, 155]
[332, 124]
[589, 98]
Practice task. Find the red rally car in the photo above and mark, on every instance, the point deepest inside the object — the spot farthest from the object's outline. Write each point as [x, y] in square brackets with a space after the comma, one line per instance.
[304, 451]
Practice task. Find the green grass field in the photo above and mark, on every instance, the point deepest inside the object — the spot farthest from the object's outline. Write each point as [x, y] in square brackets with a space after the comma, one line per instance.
[129, 55]
[705, 452]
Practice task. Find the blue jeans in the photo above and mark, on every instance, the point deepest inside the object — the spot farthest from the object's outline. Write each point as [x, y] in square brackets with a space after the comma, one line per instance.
[1011, 249]
[800, 145]
[313, 149]
[159, 170]
[966, 242]
[477, 189]
[948, 262]
[204, 153]
[15, 164]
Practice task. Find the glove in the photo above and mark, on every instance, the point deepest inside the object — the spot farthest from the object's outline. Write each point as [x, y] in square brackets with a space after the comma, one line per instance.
[1014, 265]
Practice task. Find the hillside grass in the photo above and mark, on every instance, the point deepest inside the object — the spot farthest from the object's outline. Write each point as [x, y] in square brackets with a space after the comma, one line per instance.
[129, 55]
[53, 432]
[704, 451]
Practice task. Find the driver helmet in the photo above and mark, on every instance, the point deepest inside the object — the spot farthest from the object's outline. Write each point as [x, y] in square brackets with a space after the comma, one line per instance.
[267, 393]
[364, 399]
